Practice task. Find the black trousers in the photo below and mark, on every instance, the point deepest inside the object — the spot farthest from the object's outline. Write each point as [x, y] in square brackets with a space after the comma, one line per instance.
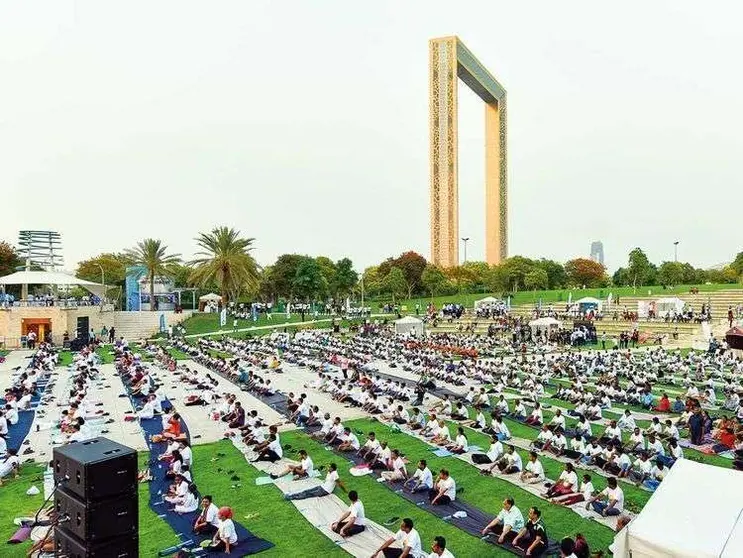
[525, 542]
[480, 458]
[316, 492]
[432, 493]
[353, 530]
[268, 455]
[392, 552]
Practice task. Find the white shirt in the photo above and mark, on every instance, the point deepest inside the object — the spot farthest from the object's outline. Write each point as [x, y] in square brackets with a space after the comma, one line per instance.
[445, 554]
[8, 464]
[449, 487]
[357, 512]
[587, 490]
[211, 515]
[425, 477]
[411, 540]
[461, 441]
[535, 468]
[276, 447]
[569, 479]
[615, 494]
[495, 451]
[226, 530]
[307, 466]
[330, 481]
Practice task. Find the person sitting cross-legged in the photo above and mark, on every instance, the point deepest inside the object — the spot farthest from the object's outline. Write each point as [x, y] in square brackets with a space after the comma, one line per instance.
[444, 490]
[507, 524]
[532, 538]
[207, 522]
[610, 501]
[422, 479]
[409, 539]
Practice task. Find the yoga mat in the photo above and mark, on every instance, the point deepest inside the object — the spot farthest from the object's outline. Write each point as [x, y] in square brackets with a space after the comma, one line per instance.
[18, 432]
[247, 543]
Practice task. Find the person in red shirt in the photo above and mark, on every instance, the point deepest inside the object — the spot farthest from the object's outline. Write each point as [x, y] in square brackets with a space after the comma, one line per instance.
[174, 427]
[664, 405]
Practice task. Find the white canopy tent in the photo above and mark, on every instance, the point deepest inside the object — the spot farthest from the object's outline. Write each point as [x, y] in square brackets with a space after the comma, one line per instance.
[52, 278]
[665, 305]
[544, 323]
[590, 301]
[696, 512]
[211, 297]
[409, 325]
[487, 300]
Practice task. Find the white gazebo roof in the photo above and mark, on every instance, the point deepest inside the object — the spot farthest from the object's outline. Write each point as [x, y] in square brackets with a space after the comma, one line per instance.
[544, 322]
[408, 320]
[588, 300]
[210, 296]
[51, 278]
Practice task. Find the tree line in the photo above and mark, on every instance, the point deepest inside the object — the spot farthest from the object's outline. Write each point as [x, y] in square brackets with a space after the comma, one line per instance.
[224, 263]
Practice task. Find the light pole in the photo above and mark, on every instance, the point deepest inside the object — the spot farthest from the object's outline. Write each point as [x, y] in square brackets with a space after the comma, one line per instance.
[103, 282]
[676, 251]
[465, 239]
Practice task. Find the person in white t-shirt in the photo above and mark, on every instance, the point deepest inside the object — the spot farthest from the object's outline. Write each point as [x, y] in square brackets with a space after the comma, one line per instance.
[349, 441]
[332, 479]
[190, 502]
[584, 494]
[11, 463]
[566, 484]
[439, 550]
[397, 470]
[226, 535]
[207, 521]
[353, 521]
[422, 479]
[272, 451]
[534, 472]
[610, 501]
[409, 540]
[444, 490]
[305, 469]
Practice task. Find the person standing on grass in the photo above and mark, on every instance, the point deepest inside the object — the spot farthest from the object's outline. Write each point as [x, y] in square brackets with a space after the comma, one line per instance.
[353, 521]
[409, 540]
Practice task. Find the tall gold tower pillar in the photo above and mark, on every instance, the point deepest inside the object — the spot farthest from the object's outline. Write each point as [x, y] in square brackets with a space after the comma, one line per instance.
[450, 60]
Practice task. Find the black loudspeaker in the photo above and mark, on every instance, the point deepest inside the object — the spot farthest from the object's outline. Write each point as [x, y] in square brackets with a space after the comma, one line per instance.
[69, 546]
[99, 520]
[83, 328]
[96, 469]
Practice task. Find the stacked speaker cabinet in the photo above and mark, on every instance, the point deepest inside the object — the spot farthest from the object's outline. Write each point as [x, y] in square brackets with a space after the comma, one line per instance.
[96, 500]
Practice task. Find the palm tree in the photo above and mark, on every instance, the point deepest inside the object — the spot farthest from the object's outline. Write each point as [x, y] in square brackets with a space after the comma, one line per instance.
[152, 255]
[225, 259]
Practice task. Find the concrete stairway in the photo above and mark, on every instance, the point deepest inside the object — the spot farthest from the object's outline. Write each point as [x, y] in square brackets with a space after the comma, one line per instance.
[140, 325]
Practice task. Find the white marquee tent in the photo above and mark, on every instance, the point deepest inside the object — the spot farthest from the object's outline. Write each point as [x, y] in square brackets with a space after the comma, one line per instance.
[409, 324]
[665, 305]
[544, 324]
[210, 297]
[696, 512]
[51, 278]
[487, 300]
[590, 301]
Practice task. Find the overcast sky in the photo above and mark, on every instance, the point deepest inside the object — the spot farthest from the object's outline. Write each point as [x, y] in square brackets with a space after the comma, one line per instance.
[305, 124]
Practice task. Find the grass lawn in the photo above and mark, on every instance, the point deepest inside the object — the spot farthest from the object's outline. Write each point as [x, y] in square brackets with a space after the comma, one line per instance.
[14, 502]
[486, 493]
[209, 322]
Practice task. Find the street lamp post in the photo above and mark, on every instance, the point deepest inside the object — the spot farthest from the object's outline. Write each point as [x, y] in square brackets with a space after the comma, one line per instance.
[465, 239]
[676, 251]
[103, 282]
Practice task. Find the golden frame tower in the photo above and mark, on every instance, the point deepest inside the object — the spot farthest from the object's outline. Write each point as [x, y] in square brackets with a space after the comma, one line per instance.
[450, 60]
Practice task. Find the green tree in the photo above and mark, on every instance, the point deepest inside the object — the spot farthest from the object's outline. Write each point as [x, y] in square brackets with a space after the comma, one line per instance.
[328, 269]
[225, 260]
[309, 282]
[737, 264]
[556, 276]
[345, 278]
[434, 280]
[113, 267]
[536, 279]
[372, 280]
[394, 283]
[515, 270]
[9, 259]
[153, 255]
[671, 273]
[639, 269]
[283, 272]
[477, 273]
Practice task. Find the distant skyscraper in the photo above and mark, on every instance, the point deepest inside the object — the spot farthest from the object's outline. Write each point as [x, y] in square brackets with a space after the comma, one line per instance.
[597, 251]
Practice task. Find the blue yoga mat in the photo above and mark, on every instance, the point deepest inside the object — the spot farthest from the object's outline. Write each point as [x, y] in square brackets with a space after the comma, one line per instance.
[247, 543]
[18, 432]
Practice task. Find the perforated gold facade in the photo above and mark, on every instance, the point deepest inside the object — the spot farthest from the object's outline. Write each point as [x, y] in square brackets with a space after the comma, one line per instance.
[450, 60]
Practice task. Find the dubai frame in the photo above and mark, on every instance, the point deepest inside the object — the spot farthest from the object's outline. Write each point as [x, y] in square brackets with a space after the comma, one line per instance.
[449, 59]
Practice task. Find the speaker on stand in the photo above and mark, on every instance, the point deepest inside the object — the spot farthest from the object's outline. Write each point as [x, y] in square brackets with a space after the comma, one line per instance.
[96, 500]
